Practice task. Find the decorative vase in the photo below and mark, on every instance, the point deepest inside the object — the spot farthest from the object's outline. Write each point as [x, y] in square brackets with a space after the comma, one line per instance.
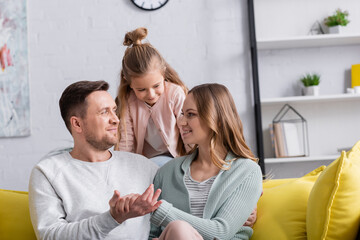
[311, 91]
[336, 29]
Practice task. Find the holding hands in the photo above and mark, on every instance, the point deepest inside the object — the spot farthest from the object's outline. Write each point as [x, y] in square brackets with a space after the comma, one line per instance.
[134, 205]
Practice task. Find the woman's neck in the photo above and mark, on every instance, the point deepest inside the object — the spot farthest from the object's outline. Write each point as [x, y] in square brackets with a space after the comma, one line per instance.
[202, 168]
[204, 153]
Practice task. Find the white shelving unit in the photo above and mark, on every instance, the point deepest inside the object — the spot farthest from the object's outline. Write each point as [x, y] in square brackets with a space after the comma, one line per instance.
[309, 41]
[310, 99]
[306, 103]
[332, 122]
[302, 159]
[338, 98]
[285, 52]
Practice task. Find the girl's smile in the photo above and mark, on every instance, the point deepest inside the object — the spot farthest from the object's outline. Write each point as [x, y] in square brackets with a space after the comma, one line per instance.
[148, 87]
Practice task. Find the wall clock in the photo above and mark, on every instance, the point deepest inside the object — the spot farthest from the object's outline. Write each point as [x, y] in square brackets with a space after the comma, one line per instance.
[149, 5]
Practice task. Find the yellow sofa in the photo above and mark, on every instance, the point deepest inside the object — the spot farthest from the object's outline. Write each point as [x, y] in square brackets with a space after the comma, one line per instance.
[14, 216]
[322, 205]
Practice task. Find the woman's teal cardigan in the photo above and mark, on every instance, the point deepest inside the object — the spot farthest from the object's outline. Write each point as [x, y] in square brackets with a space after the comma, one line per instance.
[232, 197]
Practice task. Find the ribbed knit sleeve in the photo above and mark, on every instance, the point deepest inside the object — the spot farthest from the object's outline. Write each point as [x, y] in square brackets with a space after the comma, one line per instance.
[155, 231]
[227, 221]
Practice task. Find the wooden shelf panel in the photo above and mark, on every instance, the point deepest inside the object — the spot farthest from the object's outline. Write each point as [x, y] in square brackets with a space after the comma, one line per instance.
[301, 159]
[310, 99]
[309, 41]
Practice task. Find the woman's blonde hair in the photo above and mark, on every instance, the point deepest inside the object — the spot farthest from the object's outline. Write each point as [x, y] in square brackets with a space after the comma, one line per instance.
[216, 109]
[139, 59]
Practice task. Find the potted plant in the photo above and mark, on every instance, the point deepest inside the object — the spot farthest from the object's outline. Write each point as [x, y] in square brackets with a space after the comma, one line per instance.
[311, 84]
[336, 21]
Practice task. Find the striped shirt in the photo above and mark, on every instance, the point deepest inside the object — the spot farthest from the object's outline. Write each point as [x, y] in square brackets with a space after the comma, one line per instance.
[198, 193]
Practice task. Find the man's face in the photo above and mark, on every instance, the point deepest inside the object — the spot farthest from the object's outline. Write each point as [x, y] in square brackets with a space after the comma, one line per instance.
[100, 123]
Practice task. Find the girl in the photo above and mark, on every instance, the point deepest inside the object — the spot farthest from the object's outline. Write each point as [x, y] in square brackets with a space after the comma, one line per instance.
[216, 187]
[149, 100]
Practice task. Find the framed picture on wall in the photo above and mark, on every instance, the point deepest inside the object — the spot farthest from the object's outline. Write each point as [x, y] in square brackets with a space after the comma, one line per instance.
[14, 83]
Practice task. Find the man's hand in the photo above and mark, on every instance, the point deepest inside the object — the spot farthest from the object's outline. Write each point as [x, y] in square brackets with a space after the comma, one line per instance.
[252, 219]
[134, 205]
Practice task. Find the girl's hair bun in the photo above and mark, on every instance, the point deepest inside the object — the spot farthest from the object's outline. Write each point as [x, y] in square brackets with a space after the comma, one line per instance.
[134, 38]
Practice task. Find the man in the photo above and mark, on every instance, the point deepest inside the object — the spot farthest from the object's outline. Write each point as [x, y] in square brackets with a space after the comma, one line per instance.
[91, 192]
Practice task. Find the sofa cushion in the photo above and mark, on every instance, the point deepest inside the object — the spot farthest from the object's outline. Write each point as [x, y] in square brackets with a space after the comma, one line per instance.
[282, 208]
[334, 202]
[14, 216]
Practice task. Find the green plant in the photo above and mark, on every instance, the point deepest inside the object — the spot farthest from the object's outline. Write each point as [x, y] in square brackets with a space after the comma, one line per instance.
[310, 79]
[338, 18]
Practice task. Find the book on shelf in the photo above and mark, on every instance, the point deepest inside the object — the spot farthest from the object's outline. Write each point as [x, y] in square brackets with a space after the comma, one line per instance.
[272, 137]
[355, 75]
[280, 150]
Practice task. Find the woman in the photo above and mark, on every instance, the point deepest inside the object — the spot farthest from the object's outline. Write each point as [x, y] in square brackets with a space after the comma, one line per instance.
[216, 187]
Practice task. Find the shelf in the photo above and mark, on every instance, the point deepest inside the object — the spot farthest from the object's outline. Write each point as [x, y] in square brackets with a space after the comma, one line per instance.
[310, 99]
[309, 41]
[302, 159]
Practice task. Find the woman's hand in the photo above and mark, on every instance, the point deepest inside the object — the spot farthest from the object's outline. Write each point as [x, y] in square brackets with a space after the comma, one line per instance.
[252, 219]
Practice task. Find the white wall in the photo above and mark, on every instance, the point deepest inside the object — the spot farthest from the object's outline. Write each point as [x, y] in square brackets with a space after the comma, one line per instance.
[205, 41]
[284, 18]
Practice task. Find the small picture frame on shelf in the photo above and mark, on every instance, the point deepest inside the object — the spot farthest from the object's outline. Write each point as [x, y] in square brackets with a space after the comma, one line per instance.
[289, 133]
[316, 29]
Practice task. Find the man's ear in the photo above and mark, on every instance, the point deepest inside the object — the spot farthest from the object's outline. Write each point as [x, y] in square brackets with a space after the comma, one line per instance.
[76, 124]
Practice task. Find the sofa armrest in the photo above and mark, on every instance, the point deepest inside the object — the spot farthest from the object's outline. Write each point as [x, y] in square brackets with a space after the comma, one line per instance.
[15, 220]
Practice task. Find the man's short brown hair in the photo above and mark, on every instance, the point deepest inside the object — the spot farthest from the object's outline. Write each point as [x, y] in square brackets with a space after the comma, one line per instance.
[73, 99]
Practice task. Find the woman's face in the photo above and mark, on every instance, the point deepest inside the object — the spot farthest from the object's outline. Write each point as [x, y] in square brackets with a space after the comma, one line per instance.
[193, 130]
[149, 87]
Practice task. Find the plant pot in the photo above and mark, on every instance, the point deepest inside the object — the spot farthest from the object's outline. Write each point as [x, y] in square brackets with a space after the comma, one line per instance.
[336, 29]
[311, 91]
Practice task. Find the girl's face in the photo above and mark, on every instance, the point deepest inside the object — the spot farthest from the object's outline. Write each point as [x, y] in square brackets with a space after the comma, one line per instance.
[193, 130]
[149, 87]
